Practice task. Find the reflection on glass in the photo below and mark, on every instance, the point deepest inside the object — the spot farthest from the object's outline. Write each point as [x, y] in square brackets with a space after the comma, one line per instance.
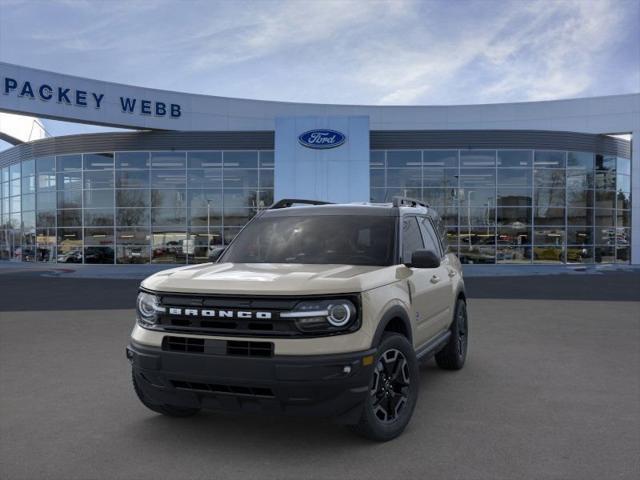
[514, 158]
[97, 161]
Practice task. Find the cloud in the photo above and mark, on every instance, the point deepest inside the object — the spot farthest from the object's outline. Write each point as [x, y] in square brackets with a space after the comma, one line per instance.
[337, 51]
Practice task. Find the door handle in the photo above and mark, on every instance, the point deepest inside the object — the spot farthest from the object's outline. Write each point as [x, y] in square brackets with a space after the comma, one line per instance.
[452, 273]
[435, 279]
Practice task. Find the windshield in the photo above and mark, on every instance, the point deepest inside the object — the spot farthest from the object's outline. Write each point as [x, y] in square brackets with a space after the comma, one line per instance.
[339, 239]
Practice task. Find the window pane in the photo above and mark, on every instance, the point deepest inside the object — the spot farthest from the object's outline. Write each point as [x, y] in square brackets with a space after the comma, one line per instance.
[605, 199]
[46, 181]
[580, 236]
[605, 217]
[549, 159]
[240, 159]
[623, 166]
[477, 177]
[405, 177]
[549, 178]
[175, 160]
[605, 254]
[98, 217]
[376, 178]
[70, 199]
[47, 201]
[238, 178]
[266, 159]
[46, 219]
[440, 158]
[266, 179]
[582, 254]
[168, 198]
[238, 217]
[169, 217]
[43, 165]
[69, 162]
[168, 179]
[514, 216]
[204, 159]
[70, 218]
[29, 202]
[98, 254]
[606, 163]
[548, 254]
[239, 198]
[514, 158]
[579, 198]
[132, 216]
[133, 236]
[513, 254]
[201, 242]
[203, 198]
[579, 216]
[98, 161]
[376, 159]
[132, 254]
[70, 180]
[132, 160]
[404, 158]
[202, 216]
[514, 234]
[477, 158]
[98, 179]
[28, 184]
[205, 178]
[132, 179]
[440, 177]
[514, 197]
[132, 198]
[98, 199]
[579, 178]
[583, 160]
[549, 236]
[514, 176]
[28, 168]
[548, 216]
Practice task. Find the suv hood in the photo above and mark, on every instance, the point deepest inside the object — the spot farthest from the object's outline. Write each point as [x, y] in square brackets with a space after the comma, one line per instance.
[270, 279]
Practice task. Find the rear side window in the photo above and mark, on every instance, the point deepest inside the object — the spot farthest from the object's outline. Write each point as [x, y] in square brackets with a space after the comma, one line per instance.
[411, 238]
[430, 237]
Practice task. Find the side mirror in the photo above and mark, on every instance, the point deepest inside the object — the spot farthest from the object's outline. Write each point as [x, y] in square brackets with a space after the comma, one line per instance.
[215, 254]
[424, 259]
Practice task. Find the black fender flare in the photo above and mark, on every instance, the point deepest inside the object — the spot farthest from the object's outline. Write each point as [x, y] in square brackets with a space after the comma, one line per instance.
[395, 311]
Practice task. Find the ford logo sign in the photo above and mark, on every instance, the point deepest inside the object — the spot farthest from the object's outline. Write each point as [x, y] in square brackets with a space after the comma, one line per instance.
[322, 138]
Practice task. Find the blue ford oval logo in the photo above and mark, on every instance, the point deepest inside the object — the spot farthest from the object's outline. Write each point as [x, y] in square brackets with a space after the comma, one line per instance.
[322, 138]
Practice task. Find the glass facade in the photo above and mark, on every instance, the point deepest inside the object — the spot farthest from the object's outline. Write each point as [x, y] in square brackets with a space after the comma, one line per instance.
[500, 206]
[130, 207]
[517, 206]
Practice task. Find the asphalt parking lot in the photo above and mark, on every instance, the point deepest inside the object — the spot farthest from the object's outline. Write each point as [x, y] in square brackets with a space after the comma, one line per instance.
[551, 390]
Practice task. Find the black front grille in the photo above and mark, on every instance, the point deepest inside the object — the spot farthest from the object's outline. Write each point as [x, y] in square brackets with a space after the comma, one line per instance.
[183, 344]
[274, 326]
[217, 347]
[250, 349]
[228, 389]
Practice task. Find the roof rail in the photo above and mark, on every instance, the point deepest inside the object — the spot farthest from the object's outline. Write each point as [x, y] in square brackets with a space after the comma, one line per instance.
[290, 202]
[408, 202]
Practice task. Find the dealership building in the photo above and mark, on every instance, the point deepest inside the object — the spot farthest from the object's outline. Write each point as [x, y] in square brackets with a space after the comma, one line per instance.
[516, 183]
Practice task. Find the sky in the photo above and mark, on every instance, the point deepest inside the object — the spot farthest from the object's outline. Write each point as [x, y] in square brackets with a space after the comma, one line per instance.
[395, 52]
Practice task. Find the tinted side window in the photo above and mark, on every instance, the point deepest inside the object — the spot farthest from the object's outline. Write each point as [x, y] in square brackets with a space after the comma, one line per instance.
[430, 237]
[441, 230]
[411, 238]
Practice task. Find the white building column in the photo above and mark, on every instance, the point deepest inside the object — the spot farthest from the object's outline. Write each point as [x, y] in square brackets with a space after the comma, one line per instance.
[635, 198]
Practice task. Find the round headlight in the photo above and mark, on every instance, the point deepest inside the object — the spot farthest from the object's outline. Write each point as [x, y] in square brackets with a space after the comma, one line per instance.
[339, 315]
[148, 307]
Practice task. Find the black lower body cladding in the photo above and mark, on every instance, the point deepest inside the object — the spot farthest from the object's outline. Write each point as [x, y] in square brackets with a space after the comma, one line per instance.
[315, 385]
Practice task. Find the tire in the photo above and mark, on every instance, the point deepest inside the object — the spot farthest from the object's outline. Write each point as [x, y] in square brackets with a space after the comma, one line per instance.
[454, 353]
[168, 410]
[393, 388]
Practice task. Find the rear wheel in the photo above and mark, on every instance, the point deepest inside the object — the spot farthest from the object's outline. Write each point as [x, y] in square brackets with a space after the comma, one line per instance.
[169, 410]
[454, 354]
[393, 391]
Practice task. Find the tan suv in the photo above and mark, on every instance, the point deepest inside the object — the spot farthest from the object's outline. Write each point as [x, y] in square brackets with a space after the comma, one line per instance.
[313, 309]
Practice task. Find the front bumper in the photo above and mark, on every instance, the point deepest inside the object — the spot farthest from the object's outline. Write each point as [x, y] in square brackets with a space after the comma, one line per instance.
[314, 385]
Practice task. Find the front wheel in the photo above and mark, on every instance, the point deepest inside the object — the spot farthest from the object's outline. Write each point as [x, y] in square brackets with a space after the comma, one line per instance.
[454, 353]
[393, 391]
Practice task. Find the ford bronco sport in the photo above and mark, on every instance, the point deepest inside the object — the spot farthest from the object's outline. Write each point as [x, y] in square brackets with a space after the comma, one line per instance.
[313, 309]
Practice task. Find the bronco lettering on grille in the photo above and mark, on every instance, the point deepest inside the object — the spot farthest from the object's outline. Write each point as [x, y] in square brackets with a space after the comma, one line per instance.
[194, 312]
